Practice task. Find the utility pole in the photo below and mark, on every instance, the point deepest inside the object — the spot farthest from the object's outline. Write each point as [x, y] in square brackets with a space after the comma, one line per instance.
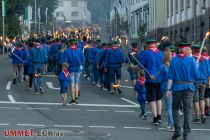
[39, 18]
[35, 16]
[194, 21]
[3, 15]
[46, 17]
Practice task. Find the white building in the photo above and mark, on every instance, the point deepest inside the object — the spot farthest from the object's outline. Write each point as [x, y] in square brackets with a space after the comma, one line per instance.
[74, 12]
[134, 11]
[181, 21]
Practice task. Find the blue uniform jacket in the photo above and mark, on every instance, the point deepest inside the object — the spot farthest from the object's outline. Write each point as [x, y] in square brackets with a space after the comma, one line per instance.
[54, 49]
[114, 58]
[21, 53]
[38, 55]
[81, 45]
[46, 48]
[163, 77]
[75, 59]
[92, 52]
[183, 69]
[204, 71]
[61, 57]
[141, 90]
[151, 61]
[64, 81]
[100, 57]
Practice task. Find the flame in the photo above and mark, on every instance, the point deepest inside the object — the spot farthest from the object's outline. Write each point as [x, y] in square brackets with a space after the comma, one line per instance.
[126, 41]
[163, 37]
[207, 34]
[120, 40]
[14, 40]
[0, 37]
[116, 86]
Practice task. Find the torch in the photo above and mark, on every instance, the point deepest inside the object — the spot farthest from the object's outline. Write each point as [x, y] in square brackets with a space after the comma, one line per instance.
[199, 55]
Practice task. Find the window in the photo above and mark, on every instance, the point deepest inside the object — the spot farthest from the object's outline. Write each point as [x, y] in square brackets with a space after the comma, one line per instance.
[167, 3]
[74, 3]
[188, 3]
[74, 14]
[177, 5]
[172, 7]
[182, 5]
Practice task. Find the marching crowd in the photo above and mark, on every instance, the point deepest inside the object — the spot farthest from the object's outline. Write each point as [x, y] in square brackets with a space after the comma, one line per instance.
[178, 75]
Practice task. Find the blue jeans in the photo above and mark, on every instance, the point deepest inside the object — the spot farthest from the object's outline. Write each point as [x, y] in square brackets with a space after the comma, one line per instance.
[94, 73]
[142, 106]
[186, 97]
[168, 104]
[38, 69]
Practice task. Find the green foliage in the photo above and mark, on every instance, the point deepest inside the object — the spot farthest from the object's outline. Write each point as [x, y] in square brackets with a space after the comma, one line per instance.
[141, 31]
[15, 8]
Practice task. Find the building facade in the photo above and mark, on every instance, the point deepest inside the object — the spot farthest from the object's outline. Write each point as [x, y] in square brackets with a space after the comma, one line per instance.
[188, 19]
[74, 12]
[134, 11]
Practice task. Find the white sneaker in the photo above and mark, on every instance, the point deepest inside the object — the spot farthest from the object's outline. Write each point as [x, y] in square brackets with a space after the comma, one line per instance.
[98, 85]
[37, 93]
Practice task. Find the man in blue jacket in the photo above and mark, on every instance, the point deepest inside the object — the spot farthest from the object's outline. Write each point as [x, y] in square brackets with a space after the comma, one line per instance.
[94, 72]
[152, 59]
[114, 59]
[200, 85]
[75, 58]
[182, 72]
[19, 56]
[38, 59]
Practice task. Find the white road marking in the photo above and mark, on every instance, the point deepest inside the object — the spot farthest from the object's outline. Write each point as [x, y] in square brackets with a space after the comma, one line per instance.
[90, 105]
[38, 108]
[131, 102]
[162, 128]
[50, 85]
[10, 108]
[121, 111]
[143, 128]
[40, 125]
[75, 126]
[126, 87]
[102, 126]
[71, 109]
[97, 110]
[11, 98]
[201, 129]
[8, 85]
[4, 124]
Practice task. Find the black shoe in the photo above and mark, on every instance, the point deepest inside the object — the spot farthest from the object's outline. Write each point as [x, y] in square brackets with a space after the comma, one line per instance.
[14, 81]
[155, 121]
[159, 119]
[41, 91]
[76, 101]
[203, 119]
[196, 121]
[120, 92]
[176, 136]
[72, 102]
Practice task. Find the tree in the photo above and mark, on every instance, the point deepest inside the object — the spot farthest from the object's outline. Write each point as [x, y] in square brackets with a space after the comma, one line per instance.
[142, 31]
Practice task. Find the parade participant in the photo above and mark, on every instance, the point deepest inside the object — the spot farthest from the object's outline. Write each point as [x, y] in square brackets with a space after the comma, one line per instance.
[38, 59]
[29, 69]
[94, 71]
[75, 58]
[173, 52]
[163, 80]
[100, 62]
[114, 59]
[152, 64]
[200, 85]
[61, 58]
[182, 72]
[134, 52]
[46, 48]
[64, 78]
[207, 91]
[53, 53]
[139, 87]
[18, 59]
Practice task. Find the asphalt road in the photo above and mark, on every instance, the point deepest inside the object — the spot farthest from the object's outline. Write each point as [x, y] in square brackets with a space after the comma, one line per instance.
[98, 116]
